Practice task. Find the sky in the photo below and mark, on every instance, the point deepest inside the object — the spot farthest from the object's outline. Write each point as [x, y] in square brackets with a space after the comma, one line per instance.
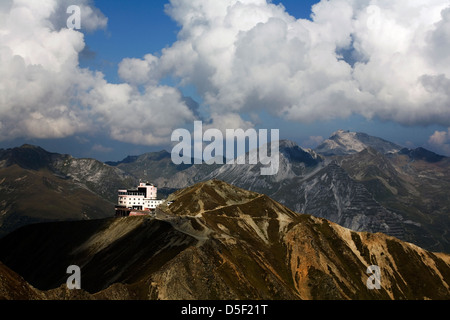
[137, 70]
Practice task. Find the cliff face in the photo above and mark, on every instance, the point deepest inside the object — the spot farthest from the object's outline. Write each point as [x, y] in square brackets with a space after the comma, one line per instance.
[216, 241]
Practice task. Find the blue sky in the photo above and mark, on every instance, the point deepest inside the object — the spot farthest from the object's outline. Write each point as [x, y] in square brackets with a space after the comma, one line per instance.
[138, 28]
[143, 27]
[133, 31]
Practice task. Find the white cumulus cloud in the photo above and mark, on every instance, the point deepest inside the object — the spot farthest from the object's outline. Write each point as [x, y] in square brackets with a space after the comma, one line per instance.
[384, 59]
[440, 141]
[45, 94]
[380, 59]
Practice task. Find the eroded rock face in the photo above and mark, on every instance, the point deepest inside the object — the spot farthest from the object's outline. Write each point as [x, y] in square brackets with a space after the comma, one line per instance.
[329, 262]
[214, 242]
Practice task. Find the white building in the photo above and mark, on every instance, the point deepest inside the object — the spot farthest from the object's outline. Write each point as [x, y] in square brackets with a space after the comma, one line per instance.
[139, 201]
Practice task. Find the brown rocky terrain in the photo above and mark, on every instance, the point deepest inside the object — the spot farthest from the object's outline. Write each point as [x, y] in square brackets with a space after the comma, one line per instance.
[217, 242]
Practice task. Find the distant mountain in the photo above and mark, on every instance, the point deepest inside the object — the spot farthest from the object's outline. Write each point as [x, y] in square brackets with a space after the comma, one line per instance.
[149, 166]
[218, 242]
[294, 162]
[27, 157]
[88, 173]
[39, 186]
[94, 175]
[29, 196]
[346, 142]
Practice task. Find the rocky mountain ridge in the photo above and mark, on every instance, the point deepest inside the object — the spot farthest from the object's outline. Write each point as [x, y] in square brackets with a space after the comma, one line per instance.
[219, 242]
[403, 193]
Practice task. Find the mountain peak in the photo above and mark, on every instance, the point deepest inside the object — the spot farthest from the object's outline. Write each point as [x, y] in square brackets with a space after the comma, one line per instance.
[288, 144]
[294, 153]
[30, 146]
[344, 142]
[341, 132]
[27, 156]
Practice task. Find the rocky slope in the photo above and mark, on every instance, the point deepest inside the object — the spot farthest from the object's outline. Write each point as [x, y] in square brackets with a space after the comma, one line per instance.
[217, 241]
[332, 194]
[412, 184]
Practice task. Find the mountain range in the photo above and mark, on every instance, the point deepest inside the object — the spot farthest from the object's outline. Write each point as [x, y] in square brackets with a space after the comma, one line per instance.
[216, 241]
[360, 182]
[309, 232]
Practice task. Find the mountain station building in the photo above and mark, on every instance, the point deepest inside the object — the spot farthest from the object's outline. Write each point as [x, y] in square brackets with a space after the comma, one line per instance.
[140, 201]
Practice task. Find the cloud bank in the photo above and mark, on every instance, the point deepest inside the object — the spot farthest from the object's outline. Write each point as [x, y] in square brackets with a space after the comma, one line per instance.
[380, 59]
[45, 94]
